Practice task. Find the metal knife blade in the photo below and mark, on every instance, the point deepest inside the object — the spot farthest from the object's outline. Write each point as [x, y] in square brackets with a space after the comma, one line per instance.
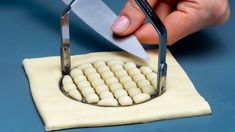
[97, 15]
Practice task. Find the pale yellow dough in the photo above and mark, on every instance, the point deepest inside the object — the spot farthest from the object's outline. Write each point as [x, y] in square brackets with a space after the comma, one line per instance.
[60, 112]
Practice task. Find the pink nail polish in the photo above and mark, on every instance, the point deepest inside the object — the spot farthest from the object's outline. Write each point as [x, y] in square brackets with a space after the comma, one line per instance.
[121, 24]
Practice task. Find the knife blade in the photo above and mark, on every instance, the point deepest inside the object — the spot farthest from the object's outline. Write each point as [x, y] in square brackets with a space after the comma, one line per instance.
[97, 15]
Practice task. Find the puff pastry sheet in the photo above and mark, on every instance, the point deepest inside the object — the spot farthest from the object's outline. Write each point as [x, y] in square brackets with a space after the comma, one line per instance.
[60, 112]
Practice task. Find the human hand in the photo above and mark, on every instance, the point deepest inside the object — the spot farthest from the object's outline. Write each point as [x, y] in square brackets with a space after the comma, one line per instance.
[181, 18]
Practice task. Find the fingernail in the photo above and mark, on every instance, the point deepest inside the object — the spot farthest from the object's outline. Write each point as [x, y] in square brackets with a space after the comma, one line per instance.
[121, 24]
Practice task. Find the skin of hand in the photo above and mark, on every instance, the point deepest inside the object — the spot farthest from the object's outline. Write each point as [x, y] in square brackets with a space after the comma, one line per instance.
[181, 18]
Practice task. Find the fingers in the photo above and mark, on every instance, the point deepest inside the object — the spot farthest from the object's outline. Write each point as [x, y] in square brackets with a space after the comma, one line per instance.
[130, 18]
[162, 9]
[146, 33]
[224, 14]
[189, 17]
[178, 24]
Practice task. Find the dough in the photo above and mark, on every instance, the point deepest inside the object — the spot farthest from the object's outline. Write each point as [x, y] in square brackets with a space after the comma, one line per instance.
[154, 83]
[67, 80]
[108, 102]
[69, 86]
[115, 86]
[83, 84]
[133, 91]
[110, 63]
[94, 76]
[84, 66]
[129, 84]
[134, 71]
[151, 76]
[119, 93]
[92, 98]
[138, 77]
[101, 88]
[79, 78]
[111, 80]
[101, 85]
[87, 90]
[179, 100]
[143, 83]
[97, 64]
[121, 73]
[102, 69]
[107, 74]
[75, 94]
[116, 67]
[129, 65]
[141, 97]
[148, 90]
[89, 70]
[98, 82]
[124, 79]
[145, 70]
[106, 94]
[125, 100]
[76, 72]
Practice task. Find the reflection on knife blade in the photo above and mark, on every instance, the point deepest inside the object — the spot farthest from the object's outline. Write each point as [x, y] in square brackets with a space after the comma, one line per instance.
[100, 18]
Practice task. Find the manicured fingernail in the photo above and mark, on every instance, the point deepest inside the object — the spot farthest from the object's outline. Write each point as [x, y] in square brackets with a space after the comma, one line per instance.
[121, 24]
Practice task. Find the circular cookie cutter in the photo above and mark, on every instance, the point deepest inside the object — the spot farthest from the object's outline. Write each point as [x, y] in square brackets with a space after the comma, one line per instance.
[110, 83]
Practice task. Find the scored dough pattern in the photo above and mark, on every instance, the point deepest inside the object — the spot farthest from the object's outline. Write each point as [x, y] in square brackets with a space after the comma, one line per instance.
[110, 83]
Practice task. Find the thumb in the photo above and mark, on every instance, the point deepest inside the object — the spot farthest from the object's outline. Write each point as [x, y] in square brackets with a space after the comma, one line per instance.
[130, 18]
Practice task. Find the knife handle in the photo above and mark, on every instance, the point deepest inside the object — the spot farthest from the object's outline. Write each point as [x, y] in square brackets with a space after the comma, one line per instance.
[162, 33]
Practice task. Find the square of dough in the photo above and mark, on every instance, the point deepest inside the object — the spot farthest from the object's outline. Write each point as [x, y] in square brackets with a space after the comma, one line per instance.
[60, 112]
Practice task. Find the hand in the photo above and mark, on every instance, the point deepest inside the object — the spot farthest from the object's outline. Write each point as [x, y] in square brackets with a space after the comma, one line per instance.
[181, 18]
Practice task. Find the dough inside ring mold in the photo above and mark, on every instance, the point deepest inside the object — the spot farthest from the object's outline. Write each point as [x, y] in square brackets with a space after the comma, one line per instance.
[112, 83]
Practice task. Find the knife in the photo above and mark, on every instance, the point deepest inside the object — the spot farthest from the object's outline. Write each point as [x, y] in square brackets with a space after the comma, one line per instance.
[97, 15]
